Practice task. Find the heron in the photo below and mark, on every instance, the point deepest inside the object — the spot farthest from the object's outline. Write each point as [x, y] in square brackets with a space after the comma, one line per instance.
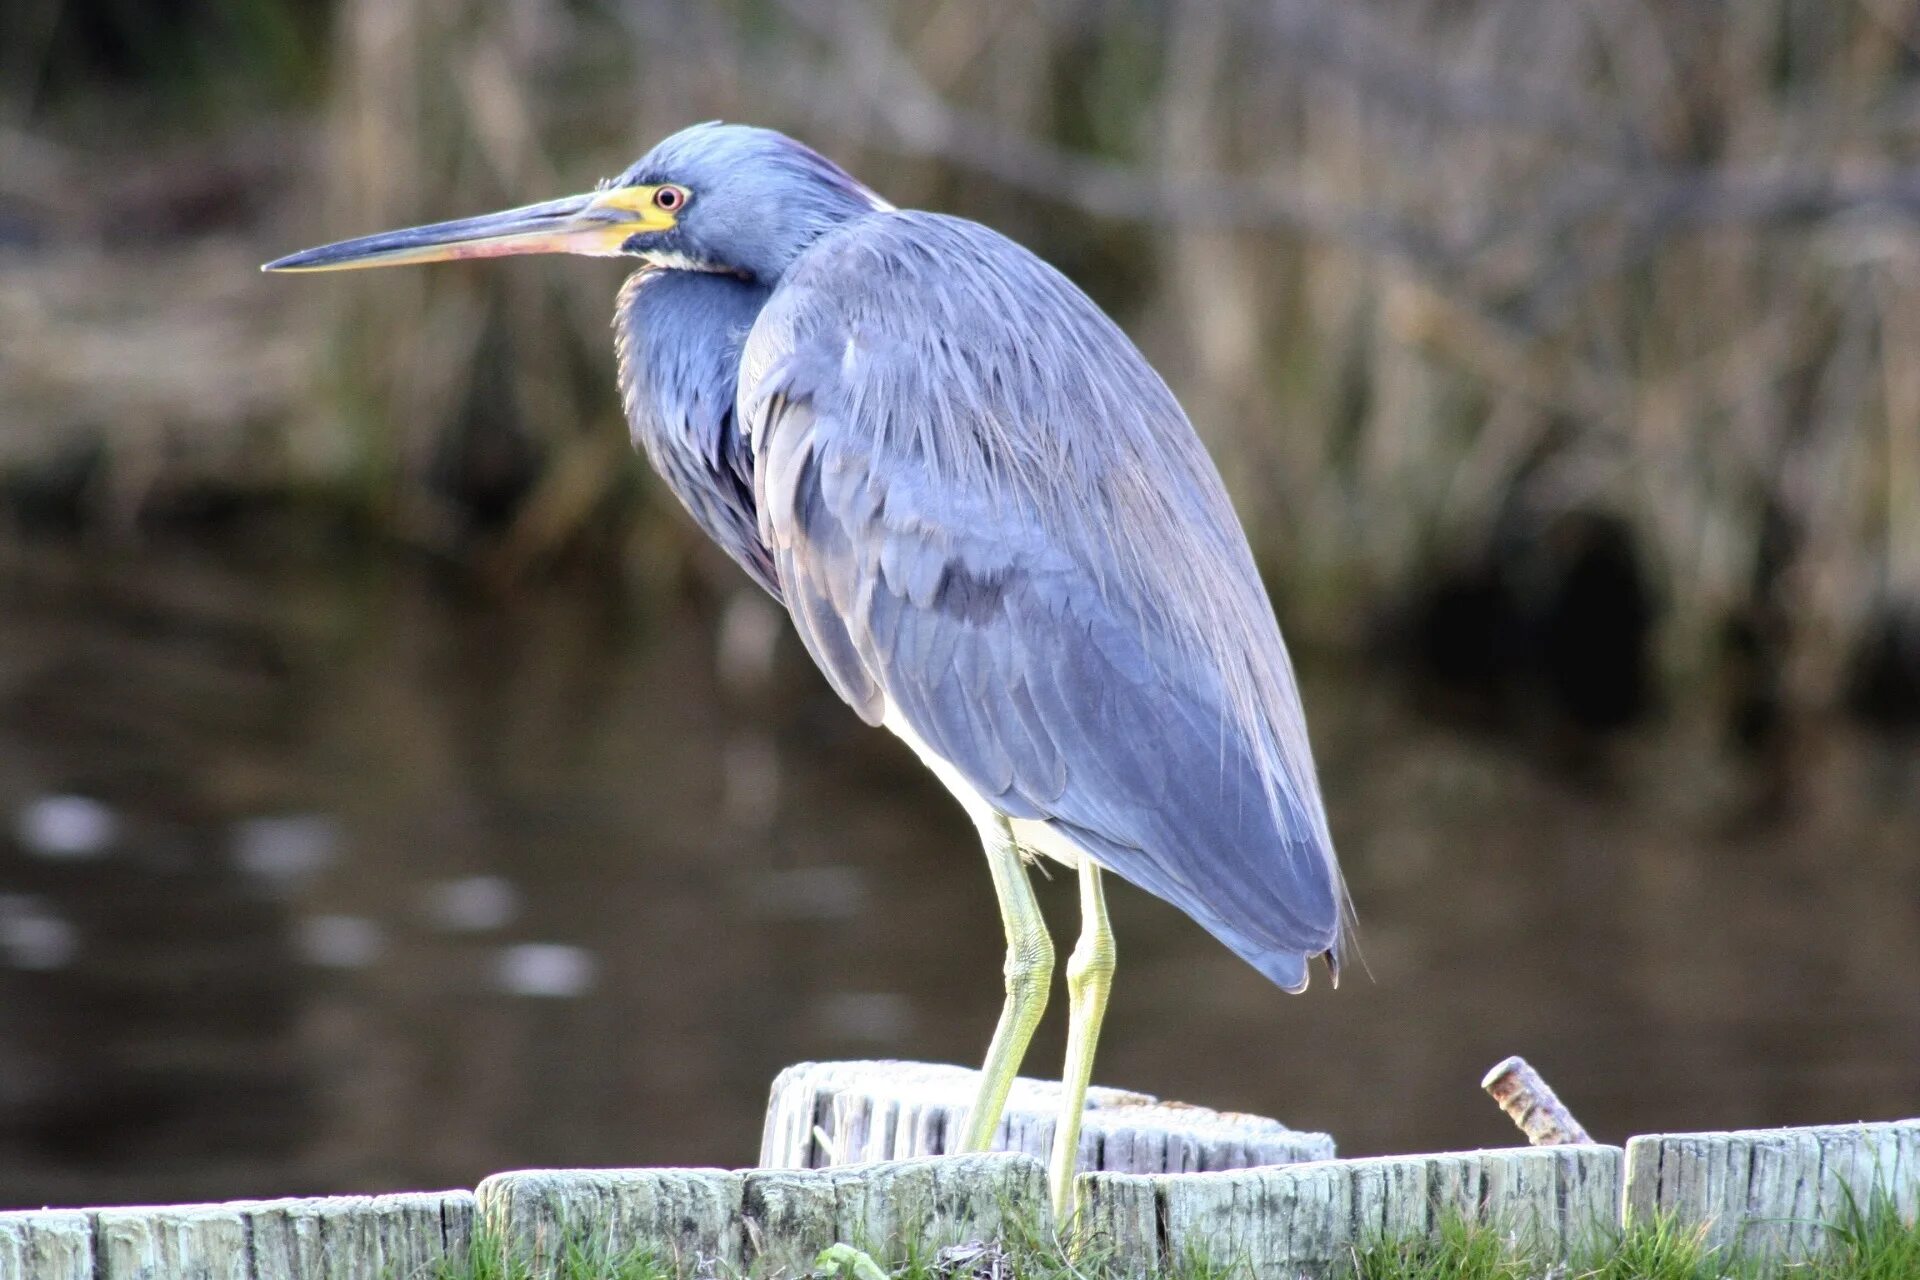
[995, 531]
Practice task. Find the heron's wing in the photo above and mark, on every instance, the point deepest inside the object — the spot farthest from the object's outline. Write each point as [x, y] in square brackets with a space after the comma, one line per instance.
[1007, 632]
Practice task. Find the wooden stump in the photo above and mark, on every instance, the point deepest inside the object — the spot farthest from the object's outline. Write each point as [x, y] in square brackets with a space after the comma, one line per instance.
[351, 1237]
[50, 1244]
[206, 1241]
[766, 1221]
[689, 1215]
[824, 1114]
[1307, 1220]
[1773, 1192]
[338, 1238]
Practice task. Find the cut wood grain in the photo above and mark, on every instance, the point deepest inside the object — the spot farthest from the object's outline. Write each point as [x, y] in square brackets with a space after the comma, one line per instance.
[1309, 1219]
[823, 1114]
[1773, 1192]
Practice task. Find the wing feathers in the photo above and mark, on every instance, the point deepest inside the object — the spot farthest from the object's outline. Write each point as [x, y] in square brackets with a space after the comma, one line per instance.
[1000, 610]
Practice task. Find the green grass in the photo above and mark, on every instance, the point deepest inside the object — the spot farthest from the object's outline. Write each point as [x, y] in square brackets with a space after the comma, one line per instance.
[1869, 1242]
[584, 1256]
[1464, 1251]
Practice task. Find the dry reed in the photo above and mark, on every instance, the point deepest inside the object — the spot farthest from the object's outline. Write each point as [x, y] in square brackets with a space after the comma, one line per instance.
[1420, 270]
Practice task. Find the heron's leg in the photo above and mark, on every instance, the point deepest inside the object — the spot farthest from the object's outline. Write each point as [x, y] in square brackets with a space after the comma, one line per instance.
[1089, 980]
[1029, 972]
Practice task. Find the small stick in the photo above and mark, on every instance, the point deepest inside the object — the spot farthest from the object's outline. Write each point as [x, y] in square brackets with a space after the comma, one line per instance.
[1530, 1103]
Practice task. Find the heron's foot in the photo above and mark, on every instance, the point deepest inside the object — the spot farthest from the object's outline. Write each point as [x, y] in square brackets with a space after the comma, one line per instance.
[844, 1262]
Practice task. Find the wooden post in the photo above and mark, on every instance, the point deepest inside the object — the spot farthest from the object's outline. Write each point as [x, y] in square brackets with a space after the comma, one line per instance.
[337, 1238]
[772, 1221]
[1772, 1193]
[1307, 1220]
[823, 1114]
[206, 1241]
[690, 1215]
[348, 1237]
[51, 1244]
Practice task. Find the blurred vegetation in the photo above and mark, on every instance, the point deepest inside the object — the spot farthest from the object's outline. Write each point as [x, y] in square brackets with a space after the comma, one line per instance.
[1539, 332]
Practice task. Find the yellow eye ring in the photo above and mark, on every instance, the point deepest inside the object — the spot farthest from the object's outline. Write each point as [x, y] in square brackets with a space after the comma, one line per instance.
[670, 199]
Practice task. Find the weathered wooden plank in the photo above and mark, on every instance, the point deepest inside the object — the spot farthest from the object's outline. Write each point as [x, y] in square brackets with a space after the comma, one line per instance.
[792, 1214]
[692, 1216]
[204, 1241]
[823, 1114]
[1772, 1192]
[351, 1237]
[1307, 1219]
[46, 1244]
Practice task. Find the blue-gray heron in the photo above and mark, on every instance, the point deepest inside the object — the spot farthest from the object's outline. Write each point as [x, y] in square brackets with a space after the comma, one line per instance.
[996, 533]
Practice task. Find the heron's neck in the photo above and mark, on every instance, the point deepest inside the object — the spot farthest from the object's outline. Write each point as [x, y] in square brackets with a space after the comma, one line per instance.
[679, 335]
[796, 221]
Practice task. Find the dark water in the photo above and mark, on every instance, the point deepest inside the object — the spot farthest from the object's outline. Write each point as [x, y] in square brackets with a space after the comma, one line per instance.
[320, 876]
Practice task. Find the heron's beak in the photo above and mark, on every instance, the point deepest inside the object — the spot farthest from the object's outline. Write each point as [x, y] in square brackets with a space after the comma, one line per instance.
[598, 224]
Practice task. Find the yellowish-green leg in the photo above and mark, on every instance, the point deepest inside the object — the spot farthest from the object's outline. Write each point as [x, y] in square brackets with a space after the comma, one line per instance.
[1089, 980]
[1029, 973]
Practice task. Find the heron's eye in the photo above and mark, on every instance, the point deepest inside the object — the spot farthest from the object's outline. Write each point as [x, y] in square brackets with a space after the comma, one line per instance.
[669, 199]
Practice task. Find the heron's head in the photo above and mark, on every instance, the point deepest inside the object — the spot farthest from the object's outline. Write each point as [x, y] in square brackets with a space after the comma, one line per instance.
[715, 197]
